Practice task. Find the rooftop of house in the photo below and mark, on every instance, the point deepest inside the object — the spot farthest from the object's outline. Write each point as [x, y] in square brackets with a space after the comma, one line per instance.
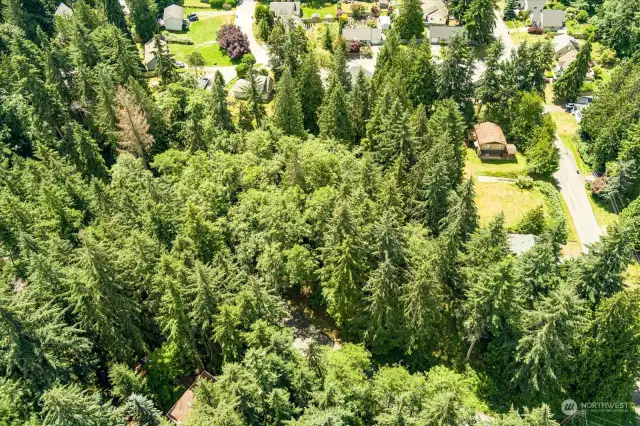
[562, 40]
[551, 17]
[488, 132]
[173, 11]
[180, 410]
[520, 243]
[361, 33]
[242, 84]
[285, 8]
[150, 49]
[63, 10]
[567, 58]
[444, 31]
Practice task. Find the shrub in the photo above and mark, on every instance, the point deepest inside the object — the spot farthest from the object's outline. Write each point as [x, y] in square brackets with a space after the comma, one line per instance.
[582, 16]
[535, 30]
[375, 11]
[608, 57]
[533, 222]
[524, 182]
[216, 4]
[233, 41]
[263, 13]
[357, 10]
[354, 46]
[559, 6]
[523, 15]
[241, 70]
[226, 6]
[172, 38]
[372, 23]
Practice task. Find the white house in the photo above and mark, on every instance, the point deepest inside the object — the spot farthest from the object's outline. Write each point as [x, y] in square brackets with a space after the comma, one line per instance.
[173, 17]
[434, 12]
[285, 8]
[64, 11]
[384, 22]
[552, 20]
[531, 5]
[265, 85]
[442, 33]
[363, 34]
[563, 44]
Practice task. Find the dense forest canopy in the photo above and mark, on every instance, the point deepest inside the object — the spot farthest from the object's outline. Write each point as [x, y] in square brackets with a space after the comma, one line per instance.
[149, 233]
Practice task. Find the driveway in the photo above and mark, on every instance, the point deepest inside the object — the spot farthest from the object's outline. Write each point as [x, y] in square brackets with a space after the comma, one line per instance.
[574, 193]
[244, 19]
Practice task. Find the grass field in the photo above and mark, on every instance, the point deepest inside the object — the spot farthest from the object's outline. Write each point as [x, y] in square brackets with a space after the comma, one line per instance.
[203, 35]
[309, 9]
[519, 38]
[509, 169]
[495, 197]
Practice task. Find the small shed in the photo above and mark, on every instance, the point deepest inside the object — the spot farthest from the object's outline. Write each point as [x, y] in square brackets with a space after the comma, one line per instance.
[64, 11]
[181, 409]
[265, 85]
[443, 33]
[552, 20]
[490, 142]
[173, 17]
[363, 34]
[520, 243]
[384, 22]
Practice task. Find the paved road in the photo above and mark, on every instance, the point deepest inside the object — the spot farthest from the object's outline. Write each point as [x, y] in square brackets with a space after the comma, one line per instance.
[574, 193]
[244, 19]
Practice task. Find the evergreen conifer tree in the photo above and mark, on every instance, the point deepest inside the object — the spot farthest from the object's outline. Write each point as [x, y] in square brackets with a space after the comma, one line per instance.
[287, 110]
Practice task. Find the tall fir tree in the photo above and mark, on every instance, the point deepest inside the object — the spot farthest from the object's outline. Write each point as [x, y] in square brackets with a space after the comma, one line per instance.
[71, 405]
[491, 86]
[479, 20]
[455, 73]
[287, 109]
[334, 120]
[409, 22]
[360, 105]
[568, 85]
[143, 15]
[310, 91]
[339, 64]
[422, 77]
[509, 12]
[253, 94]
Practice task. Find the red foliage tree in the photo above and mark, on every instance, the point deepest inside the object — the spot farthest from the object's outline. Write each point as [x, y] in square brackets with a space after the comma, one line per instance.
[535, 30]
[233, 41]
[375, 11]
[354, 46]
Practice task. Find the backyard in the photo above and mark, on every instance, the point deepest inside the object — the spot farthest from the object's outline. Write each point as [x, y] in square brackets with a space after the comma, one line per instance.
[320, 8]
[203, 35]
[498, 168]
[492, 198]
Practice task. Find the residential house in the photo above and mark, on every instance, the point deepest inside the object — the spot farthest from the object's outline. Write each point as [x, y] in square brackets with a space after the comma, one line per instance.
[286, 9]
[535, 18]
[64, 11]
[384, 22]
[564, 43]
[150, 59]
[384, 4]
[265, 85]
[490, 142]
[563, 62]
[173, 17]
[434, 12]
[552, 20]
[531, 5]
[181, 409]
[442, 33]
[363, 34]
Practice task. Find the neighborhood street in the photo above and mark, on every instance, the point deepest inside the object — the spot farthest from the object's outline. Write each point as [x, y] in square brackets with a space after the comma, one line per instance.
[244, 19]
[574, 193]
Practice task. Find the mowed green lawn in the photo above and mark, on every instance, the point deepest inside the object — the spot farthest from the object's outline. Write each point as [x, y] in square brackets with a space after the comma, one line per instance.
[498, 168]
[492, 198]
[203, 35]
[309, 9]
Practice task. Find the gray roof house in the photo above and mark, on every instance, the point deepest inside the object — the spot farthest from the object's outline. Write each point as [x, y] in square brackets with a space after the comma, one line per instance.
[285, 8]
[64, 11]
[442, 33]
[363, 34]
[563, 44]
[150, 53]
[531, 5]
[552, 20]
[265, 85]
[173, 17]
[434, 12]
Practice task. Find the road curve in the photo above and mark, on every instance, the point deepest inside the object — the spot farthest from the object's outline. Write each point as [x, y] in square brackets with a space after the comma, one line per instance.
[244, 19]
[574, 193]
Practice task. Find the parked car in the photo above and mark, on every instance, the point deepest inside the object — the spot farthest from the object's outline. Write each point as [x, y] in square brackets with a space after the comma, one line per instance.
[192, 17]
[180, 64]
[582, 100]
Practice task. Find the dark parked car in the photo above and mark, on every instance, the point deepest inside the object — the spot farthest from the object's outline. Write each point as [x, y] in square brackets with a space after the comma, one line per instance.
[192, 17]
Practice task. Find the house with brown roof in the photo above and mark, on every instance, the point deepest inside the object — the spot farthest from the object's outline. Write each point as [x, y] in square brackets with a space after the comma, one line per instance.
[490, 142]
[181, 409]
